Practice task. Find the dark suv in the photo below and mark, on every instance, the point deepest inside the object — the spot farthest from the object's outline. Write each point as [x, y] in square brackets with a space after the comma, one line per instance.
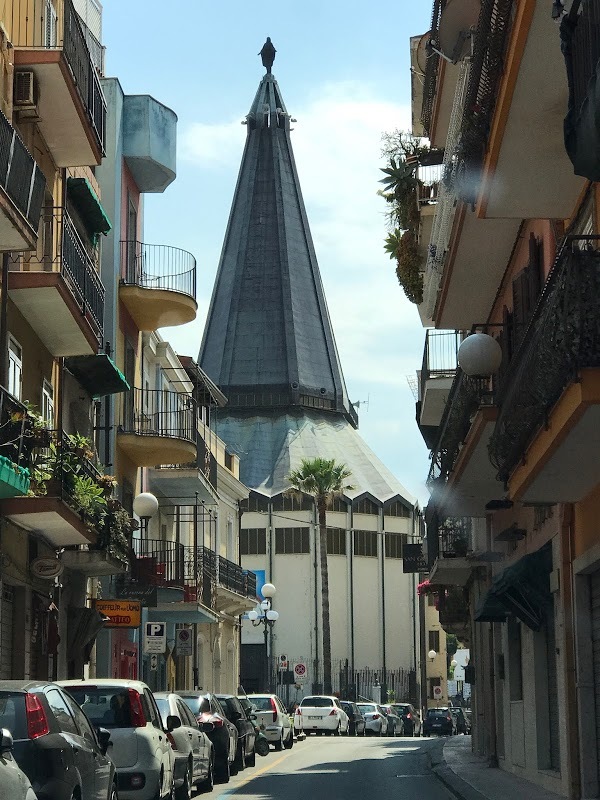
[440, 721]
[246, 732]
[462, 726]
[356, 721]
[410, 717]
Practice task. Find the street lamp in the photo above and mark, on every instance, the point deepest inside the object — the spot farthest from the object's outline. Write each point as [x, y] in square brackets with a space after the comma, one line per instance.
[145, 505]
[267, 620]
[454, 664]
[431, 655]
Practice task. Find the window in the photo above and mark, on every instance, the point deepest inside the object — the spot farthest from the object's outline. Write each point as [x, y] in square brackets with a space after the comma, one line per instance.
[253, 542]
[186, 716]
[434, 641]
[82, 721]
[365, 543]
[336, 541]
[292, 540]
[60, 709]
[15, 367]
[339, 504]
[48, 402]
[430, 599]
[433, 682]
[397, 509]
[256, 502]
[150, 710]
[366, 506]
[394, 544]
[292, 501]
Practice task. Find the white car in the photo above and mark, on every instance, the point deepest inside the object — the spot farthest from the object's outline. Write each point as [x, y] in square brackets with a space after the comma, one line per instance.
[321, 714]
[13, 782]
[273, 720]
[375, 719]
[141, 751]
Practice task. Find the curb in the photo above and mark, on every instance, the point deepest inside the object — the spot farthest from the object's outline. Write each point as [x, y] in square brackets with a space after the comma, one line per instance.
[459, 788]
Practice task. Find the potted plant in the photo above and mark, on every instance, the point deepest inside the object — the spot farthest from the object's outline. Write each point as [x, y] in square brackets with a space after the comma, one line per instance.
[37, 429]
[108, 484]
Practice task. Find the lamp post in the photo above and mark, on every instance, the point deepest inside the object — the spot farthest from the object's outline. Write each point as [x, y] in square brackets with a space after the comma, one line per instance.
[267, 620]
[145, 505]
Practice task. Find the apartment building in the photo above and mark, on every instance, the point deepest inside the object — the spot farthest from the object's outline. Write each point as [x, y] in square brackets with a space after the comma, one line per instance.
[508, 386]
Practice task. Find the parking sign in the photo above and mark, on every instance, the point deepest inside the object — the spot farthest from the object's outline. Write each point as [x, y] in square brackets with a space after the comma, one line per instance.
[155, 637]
[184, 642]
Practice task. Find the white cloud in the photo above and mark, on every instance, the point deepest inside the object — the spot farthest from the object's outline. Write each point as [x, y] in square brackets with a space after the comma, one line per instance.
[212, 146]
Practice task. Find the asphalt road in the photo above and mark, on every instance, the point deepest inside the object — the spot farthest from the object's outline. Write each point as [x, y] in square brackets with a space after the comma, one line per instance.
[336, 768]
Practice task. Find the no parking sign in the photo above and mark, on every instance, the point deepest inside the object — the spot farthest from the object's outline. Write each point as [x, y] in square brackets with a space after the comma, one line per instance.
[300, 671]
[184, 642]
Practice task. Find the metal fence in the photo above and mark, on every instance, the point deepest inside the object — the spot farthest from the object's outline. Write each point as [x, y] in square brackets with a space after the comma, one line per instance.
[158, 412]
[20, 176]
[158, 266]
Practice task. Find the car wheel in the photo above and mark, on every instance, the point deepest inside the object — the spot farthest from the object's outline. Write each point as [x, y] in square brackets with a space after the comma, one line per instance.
[289, 742]
[251, 759]
[185, 790]
[338, 730]
[279, 743]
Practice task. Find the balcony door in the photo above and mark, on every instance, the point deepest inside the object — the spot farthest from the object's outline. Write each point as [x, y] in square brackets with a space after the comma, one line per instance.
[133, 267]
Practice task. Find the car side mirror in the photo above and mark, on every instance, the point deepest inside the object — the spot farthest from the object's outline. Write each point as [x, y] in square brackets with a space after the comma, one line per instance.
[173, 722]
[6, 741]
[103, 739]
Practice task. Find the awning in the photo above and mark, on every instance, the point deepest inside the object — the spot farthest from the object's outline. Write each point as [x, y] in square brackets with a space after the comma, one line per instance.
[83, 627]
[522, 589]
[80, 190]
[98, 374]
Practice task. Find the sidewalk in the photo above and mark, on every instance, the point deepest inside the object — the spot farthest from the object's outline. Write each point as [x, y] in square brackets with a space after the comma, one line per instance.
[469, 777]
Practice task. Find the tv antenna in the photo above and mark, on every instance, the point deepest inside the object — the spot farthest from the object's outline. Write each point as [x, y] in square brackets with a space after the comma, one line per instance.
[360, 403]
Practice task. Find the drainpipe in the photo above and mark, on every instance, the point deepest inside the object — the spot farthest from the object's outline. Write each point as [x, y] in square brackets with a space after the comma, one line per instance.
[572, 721]
[4, 322]
[352, 603]
[383, 638]
[198, 599]
[316, 596]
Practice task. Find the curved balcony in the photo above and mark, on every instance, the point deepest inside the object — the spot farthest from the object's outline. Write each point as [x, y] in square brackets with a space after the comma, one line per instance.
[158, 285]
[157, 426]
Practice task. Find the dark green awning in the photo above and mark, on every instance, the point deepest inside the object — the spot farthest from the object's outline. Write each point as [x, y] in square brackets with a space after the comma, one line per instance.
[522, 589]
[99, 375]
[83, 195]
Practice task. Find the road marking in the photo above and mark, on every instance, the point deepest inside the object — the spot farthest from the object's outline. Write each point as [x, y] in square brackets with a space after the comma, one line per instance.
[255, 774]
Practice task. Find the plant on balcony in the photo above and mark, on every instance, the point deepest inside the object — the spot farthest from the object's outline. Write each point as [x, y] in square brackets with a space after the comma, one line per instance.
[400, 192]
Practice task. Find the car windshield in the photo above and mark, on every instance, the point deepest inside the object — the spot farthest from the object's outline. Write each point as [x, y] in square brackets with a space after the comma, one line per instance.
[317, 702]
[437, 712]
[367, 707]
[261, 703]
[106, 706]
[197, 704]
[401, 709]
[12, 714]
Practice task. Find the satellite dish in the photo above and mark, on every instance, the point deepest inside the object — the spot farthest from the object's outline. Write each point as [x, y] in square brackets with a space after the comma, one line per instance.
[421, 53]
[458, 20]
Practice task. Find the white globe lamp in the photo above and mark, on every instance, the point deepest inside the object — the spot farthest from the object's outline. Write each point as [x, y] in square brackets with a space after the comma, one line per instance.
[454, 664]
[268, 590]
[479, 355]
[145, 505]
[272, 616]
[431, 654]
[253, 615]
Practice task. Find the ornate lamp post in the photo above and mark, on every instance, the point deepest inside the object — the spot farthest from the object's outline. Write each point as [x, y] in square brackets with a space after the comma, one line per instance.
[267, 620]
[145, 505]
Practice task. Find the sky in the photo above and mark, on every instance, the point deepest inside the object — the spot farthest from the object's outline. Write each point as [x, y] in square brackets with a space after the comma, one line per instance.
[343, 71]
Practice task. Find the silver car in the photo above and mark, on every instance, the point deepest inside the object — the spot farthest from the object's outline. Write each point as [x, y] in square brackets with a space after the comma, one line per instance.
[193, 750]
[13, 783]
[375, 719]
[273, 720]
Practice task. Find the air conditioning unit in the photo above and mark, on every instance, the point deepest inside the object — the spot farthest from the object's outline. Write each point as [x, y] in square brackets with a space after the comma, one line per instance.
[25, 96]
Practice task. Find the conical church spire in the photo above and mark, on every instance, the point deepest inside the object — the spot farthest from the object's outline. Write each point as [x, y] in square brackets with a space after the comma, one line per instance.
[268, 341]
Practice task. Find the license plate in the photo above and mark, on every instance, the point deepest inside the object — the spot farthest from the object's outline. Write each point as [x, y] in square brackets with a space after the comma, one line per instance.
[437, 725]
[314, 717]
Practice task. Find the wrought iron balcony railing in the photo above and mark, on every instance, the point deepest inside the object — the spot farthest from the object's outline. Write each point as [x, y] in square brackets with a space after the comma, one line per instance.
[35, 25]
[562, 338]
[21, 178]
[157, 266]
[448, 537]
[440, 354]
[431, 68]
[158, 412]
[231, 576]
[583, 52]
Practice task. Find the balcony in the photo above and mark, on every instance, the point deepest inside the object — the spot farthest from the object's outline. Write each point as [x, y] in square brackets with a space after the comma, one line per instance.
[582, 56]
[519, 179]
[461, 474]
[14, 475]
[64, 505]
[546, 439]
[58, 289]
[22, 187]
[110, 554]
[149, 142]
[157, 426]
[454, 611]
[158, 285]
[450, 546]
[236, 589]
[437, 375]
[56, 81]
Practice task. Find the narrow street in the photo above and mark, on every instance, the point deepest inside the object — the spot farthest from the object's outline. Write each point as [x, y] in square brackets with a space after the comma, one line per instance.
[348, 768]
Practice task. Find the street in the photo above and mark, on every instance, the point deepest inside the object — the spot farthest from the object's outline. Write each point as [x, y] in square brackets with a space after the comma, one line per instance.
[352, 768]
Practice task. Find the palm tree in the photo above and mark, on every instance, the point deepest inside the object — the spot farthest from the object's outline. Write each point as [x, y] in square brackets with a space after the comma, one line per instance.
[323, 479]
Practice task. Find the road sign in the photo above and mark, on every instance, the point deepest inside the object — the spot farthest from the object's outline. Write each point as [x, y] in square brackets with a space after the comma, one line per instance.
[153, 662]
[283, 662]
[121, 613]
[184, 642]
[155, 637]
[300, 671]
[437, 693]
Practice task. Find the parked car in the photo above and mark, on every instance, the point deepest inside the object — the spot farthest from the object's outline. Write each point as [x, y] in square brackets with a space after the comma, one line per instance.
[141, 749]
[356, 721]
[375, 719]
[467, 712]
[440, 721]
[410, 717]
[261, 743]
[321, 714]
[54, 743]
[394, 721]
[273, 720]
[206, 708]
[193, 750]
[462, 726]
[14, 782]
[245, 755]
